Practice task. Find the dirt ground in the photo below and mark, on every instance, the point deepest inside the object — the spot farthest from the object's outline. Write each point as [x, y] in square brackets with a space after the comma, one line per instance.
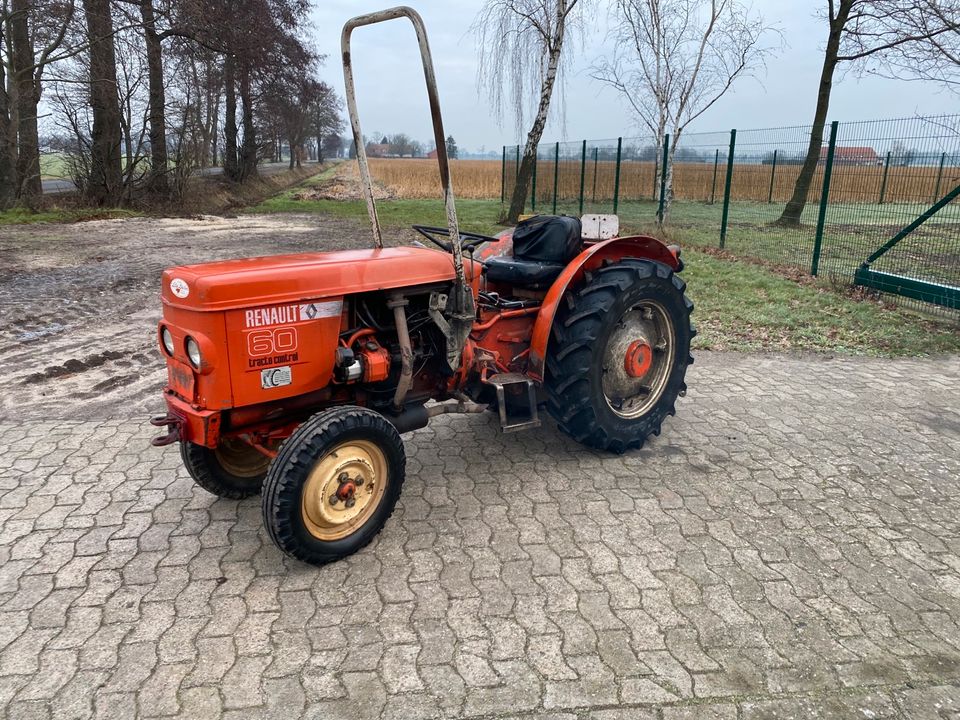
[79, 303]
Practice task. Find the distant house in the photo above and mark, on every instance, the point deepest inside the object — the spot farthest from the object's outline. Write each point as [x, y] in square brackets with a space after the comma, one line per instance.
[432, 154]
[852, 155]
[378, 150]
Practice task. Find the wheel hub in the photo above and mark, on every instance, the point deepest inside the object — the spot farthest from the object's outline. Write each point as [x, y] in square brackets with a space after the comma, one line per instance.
[343, 489]
[638, 359]
[240, 459]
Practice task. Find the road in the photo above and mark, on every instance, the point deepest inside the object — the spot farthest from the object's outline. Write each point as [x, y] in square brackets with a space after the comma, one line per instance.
[789, 547]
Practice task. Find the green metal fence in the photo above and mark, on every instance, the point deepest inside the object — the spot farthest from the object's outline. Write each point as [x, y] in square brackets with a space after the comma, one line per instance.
[729, 189]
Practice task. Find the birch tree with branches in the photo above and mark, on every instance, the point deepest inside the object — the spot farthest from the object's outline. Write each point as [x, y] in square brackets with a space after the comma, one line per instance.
[522, 45]
[674, 59]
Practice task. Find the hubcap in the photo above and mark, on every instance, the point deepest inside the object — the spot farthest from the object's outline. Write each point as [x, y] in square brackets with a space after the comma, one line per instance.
[638, 359]
[239, 459]
[344, 489]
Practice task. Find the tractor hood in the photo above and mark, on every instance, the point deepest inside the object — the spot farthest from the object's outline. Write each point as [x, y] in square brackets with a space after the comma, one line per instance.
[231, 284]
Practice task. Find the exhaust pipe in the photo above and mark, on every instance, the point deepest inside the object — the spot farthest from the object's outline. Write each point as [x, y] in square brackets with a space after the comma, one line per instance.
[398, 303]
[418, 416]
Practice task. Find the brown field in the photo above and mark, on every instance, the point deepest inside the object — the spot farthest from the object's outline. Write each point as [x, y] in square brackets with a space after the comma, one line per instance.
[481, 179]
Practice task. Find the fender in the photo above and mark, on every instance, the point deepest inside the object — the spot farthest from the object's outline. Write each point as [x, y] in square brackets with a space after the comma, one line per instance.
[636, 246]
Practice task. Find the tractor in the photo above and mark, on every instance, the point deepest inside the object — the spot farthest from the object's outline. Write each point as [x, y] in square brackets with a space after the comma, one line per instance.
[295, 376]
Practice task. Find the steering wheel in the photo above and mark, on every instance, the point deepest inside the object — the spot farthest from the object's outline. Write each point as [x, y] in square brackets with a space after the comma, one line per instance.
[474, 239]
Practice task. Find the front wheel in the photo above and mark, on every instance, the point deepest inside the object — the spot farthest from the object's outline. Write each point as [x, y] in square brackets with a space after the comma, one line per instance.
[334, 484]
[232, 470]
[618, 355]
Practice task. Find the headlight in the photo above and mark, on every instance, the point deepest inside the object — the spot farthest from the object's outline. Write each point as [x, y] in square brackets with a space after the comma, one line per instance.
[193, 352]
[167, 339]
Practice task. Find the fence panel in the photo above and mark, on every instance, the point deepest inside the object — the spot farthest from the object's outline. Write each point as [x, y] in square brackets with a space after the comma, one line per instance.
[884, 173]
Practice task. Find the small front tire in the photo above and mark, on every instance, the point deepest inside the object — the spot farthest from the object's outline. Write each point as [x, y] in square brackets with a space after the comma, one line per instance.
[334, 484]
[233, 470]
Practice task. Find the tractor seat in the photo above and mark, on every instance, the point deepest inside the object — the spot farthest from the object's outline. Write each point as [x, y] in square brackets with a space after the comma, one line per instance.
[542, 248]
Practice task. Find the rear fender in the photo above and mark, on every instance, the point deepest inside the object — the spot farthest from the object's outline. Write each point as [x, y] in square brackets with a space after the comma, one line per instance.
[608, 251]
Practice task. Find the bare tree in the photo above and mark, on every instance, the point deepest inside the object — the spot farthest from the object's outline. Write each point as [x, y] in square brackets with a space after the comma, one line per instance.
[937, 58]
[31, 39]
[106, 179]
[325, 120]
[865, 31]
[521, 50]
[8, 178]
[674, 59]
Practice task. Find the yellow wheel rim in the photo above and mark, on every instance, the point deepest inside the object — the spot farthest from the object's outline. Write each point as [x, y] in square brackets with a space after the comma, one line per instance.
[344, 489]
[239, 459]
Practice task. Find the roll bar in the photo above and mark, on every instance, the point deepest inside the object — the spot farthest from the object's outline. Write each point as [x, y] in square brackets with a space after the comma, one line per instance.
[439, 137]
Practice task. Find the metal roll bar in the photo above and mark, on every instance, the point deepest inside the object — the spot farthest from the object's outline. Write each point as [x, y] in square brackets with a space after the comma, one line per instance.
[439, 137]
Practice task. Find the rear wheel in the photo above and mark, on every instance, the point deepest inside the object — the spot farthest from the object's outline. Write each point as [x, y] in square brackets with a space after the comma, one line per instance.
[232, 470]
[334, 485]
[618, 354]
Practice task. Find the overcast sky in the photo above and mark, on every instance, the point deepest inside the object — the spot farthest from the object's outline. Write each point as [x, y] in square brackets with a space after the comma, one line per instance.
[392, 98]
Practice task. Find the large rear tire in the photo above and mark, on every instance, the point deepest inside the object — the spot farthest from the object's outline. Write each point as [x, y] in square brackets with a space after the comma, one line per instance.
[233, 470]
[618, 354]
[334, 484]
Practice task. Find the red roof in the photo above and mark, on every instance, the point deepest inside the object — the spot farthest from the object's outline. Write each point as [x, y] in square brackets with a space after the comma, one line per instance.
[848, 152]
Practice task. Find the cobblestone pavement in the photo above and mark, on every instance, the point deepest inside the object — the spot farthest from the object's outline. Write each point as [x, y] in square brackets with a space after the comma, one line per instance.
[788, 548]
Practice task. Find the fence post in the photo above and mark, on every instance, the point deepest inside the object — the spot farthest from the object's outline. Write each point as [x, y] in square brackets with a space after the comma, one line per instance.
[713, 188]
[533, 193]
[824, 199]
[596, 152]
[583, 170]
[663, 178]
[503, 175]
[556, 173]
[726, 188]
[773, 173]
[616, 177]
[883, 183]
[936, 189]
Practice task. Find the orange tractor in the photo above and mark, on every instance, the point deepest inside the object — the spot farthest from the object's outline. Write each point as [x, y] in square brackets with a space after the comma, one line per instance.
[297, 374]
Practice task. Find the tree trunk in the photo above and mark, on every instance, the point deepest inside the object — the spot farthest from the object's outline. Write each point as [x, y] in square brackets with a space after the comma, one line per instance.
[319, 149]
[105, 183]
[519, 197]
[157, 180]
[292, 159]
[230, 167]
[27, 98]
[214, 129]
[248, 151]
[8, 179]
[794, 209]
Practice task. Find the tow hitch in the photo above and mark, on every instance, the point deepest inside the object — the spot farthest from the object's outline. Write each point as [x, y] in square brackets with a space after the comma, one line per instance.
[172, 423]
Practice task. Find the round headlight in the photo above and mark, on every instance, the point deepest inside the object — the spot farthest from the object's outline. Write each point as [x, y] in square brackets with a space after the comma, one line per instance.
[167, 339]
[193, 352]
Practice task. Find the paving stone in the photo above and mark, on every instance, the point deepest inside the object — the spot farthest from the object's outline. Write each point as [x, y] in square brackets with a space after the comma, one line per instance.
[788, 547]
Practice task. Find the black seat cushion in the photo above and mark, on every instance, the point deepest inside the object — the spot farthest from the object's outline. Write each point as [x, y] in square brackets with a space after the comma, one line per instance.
[547, 238]
[523, 273]
[542, 247]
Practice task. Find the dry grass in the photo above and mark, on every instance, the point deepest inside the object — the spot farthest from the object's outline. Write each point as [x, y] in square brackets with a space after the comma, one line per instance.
[416, 178]
[480, 179]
